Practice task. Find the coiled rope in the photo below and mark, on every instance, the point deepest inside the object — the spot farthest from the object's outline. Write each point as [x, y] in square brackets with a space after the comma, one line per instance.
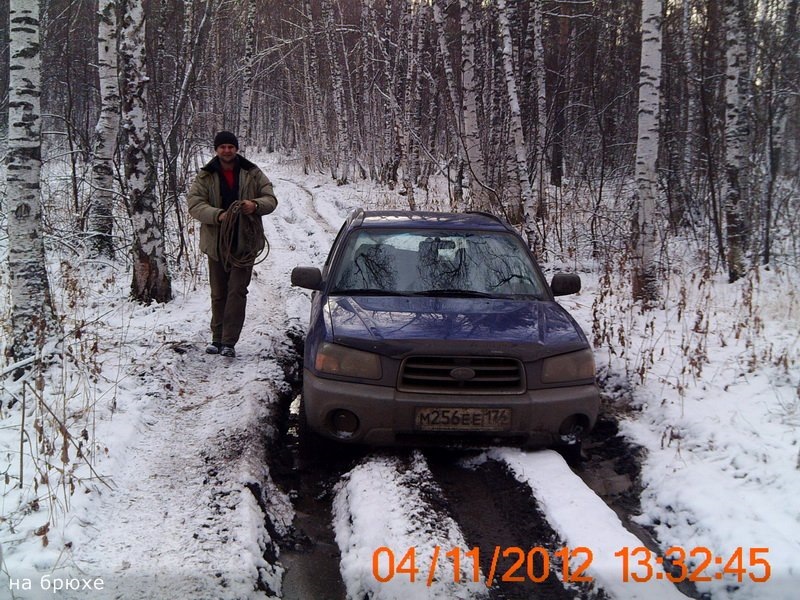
[238, 239]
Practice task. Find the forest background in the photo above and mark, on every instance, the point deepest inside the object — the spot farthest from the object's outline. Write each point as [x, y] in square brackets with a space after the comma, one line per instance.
[682, 116]
[523, 106]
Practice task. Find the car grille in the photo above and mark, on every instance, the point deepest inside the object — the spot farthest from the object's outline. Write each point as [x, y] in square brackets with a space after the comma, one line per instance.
[462, 375]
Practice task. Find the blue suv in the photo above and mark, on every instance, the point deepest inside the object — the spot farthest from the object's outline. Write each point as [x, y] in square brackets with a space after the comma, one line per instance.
[439, 328]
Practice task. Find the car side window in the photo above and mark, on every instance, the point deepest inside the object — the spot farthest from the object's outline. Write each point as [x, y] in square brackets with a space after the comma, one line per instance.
[334, 248]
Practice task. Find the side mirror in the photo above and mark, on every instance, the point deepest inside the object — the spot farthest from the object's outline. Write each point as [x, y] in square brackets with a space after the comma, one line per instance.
[307, 277]
[565, 283]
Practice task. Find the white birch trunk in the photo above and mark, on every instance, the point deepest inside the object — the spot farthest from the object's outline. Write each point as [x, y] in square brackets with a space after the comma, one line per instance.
[541, 106]
[478, 195]
[420, 19]
[32, 313]
[454, 101]
[450, 78]
[392, 130]
[517, 132]
[774, 160]
[101, 217]
[317, 125]
[245, 128]
[341, 161]
[691, 99]
[408, 88]
[735, 136]
[368, 123]
[151, 279]
[645, 276]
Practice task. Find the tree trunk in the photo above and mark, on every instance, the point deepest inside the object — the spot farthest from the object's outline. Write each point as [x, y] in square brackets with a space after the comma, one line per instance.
[341, 160]
[454, 104]
[645, 274]
[520, 147]
[691, 115]
[151, 279]
[735, 136]
[479, 199]
[101, 218]
[540, 144]
[779, 111]
[245, 129]
[33, 317]
[560, 96]
[317, 126]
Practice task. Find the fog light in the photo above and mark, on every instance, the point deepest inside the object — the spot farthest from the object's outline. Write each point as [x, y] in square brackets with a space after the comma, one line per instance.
[571, 429]
[344, 423]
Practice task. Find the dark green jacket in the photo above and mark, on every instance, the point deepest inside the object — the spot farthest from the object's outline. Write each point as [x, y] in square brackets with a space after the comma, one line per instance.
[205, 201]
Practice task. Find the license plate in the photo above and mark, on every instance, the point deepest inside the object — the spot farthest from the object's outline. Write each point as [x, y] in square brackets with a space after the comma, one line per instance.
[463, 419]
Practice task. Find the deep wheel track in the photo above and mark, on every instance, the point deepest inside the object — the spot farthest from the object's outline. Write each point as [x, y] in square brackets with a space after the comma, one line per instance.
[496, 511]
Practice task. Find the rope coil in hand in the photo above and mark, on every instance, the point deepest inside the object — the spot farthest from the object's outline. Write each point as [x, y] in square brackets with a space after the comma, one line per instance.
[238, 239]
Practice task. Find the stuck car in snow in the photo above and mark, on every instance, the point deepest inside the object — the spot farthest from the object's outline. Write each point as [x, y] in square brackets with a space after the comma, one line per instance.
[440, 328]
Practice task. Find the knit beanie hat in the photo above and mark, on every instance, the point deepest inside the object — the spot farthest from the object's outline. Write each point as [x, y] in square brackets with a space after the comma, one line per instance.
[225, 137]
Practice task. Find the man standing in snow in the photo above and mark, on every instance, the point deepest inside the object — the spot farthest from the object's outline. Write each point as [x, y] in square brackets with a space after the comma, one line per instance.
[229, 196]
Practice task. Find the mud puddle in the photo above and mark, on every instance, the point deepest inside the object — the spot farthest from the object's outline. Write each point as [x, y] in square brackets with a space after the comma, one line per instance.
[496, 511]
[307, 474]
[309, 554]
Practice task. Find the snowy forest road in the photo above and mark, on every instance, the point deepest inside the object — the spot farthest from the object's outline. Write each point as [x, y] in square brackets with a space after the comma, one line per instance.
[369, 522]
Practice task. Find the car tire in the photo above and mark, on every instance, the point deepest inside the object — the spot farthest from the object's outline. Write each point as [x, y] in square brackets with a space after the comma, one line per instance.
[572, 453]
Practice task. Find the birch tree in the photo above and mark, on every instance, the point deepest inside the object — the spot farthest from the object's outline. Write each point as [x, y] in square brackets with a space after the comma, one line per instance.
[101, 218]
[368, 74]
[540, 142]
[151, 279]
[412, 87]
[735, 137]
[32, 314]
[645, 274]
[245, 127]
[781, 97]
[341, 160]
[520, 147]
[478, 194]
[690, 110]
[454, 104]
[317, 130]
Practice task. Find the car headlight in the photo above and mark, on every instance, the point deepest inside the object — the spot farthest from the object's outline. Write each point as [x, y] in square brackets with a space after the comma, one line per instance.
[569, 367]
[340, 360]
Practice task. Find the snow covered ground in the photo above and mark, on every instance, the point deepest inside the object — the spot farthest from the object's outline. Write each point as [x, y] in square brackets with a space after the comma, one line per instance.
[179, 501]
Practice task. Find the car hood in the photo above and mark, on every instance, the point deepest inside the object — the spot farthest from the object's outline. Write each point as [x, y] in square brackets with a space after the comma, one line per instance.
[389, 324]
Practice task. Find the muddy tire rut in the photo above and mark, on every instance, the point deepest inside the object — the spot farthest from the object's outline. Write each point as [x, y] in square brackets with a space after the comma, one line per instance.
[307, 474]
[496, 511]
[491, 507]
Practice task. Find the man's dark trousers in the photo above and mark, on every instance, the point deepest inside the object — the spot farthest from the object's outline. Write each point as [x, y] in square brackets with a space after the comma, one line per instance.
[228, 301]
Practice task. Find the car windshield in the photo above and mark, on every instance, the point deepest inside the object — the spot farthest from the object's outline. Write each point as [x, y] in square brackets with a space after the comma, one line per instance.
[436, 263]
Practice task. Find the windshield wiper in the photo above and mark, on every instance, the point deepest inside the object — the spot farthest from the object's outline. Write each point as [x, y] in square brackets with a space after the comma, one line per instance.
[367, 292]
[455, 293]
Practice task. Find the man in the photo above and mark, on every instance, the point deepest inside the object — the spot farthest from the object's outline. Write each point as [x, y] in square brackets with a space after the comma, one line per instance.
[229, 196]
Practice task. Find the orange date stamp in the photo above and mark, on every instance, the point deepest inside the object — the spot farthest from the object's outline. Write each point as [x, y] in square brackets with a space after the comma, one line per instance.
[531, 565]
[637, 564]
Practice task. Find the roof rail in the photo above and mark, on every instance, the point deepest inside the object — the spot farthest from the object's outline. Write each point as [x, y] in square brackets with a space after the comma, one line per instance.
[356, 215]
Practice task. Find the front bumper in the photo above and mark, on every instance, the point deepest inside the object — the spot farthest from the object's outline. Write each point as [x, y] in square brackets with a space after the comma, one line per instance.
[386, 416]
